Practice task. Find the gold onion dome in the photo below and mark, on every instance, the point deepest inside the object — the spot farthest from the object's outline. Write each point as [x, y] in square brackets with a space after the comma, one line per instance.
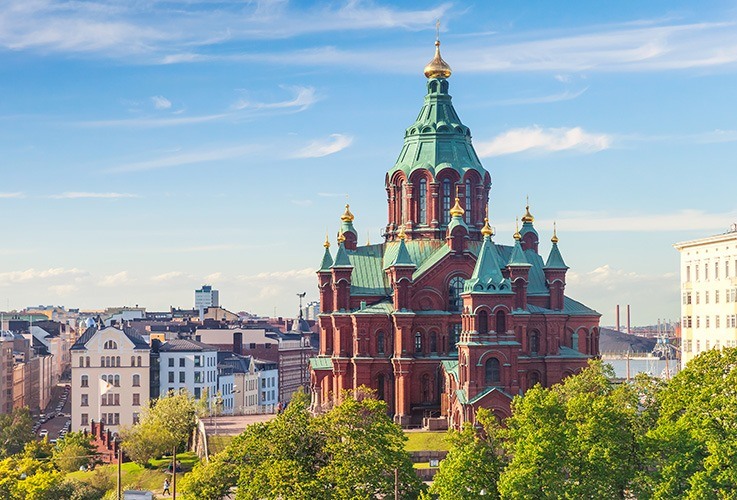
[341, 238]
[437, 68]
[327, 241]
[401, 234]
[554, 239]
[347, 215]
[486, 230]
[517, 236]
[457, 210]
[528, 216]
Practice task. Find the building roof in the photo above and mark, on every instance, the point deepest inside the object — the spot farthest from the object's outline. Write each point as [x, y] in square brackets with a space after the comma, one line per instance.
[185, 345]
[555, 259]
[237, 362]
[487, 275]
[81, 343]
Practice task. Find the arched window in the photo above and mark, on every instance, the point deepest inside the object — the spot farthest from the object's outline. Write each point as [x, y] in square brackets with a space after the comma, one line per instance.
[534, 380]
[110, 344]
[81, 361]
[136, 380]
[104, 378]
[133, 361]
[534, 342]
[85, 381]
[455, 336]
[139, 360]
[102, 361]
[422, 202]
[117, 360]
[455, 303]
[116, 381]
[380, 347]
[400, 203]
[87, 361]
[492, 373]
[469, 202]
[426, 389]
[380, 386]
[446, 202]
[501, 322]
[434, 342]
[483, 322]
[418, 342]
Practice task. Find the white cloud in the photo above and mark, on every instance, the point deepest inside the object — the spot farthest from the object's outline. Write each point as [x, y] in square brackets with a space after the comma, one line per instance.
[63, 290]
[161, 102]
[173, 276]
[540, 139]
[74, 195]
[304, 97]
[33, 275]
[121, 278]
[186, 158]
[325, 147]
[13, 195]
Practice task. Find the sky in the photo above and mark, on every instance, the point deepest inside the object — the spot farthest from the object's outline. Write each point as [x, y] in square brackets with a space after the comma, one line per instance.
[150, 146]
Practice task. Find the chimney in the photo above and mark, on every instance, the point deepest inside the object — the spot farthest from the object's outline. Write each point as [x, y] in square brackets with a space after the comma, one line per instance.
[618, 317]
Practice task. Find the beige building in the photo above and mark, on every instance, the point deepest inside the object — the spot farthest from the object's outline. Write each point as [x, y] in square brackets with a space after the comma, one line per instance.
[708, 293]
[110, 377]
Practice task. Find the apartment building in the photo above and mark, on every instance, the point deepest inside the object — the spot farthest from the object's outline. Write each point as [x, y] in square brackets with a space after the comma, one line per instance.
[708, 293]
[110, 377]
[188, 365]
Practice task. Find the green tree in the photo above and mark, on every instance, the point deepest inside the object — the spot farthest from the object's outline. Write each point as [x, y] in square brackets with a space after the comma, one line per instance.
[165, 424]
[578, 439]
[694, 445]
[210, 480]
[16, 429]
[73, 452]
[23, 477]
[364, 448]
[474, 462]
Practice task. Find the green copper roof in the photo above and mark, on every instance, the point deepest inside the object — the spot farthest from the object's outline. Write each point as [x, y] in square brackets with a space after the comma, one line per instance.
[384, 307]
[437, 140]
[403, 258]
[555, 259]
[327, 260]
[527, 227]
[347, 227]
[450, 367]
[570, 306]
[341, 258]
[487, 275]
[456, 221]
[518, 256]
[321, 363]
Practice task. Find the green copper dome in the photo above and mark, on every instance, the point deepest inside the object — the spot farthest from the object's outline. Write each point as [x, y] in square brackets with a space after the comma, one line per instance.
[437, 140]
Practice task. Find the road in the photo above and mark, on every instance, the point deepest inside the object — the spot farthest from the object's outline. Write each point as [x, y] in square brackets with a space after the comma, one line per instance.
[56, 424]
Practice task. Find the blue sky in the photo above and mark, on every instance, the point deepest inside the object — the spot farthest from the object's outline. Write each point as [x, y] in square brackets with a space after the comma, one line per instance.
[148, 146]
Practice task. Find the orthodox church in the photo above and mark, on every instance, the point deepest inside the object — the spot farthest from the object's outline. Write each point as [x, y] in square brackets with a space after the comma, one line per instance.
[439, 319]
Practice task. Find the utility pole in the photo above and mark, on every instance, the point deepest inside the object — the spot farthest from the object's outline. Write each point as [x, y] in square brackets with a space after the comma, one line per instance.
[396, 484]
[174, 474]
[120, 472]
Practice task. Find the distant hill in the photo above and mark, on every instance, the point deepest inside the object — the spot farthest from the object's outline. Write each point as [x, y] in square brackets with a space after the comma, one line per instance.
[614, 342]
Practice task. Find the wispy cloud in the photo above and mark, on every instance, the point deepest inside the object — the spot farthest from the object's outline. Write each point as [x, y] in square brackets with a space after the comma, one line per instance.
[160, 102]
[302, 203]
[320, 148]
[562, 96]
[75, 195]
[185, 158]
[13, 195]
[540, 139]
[117, 279]
[33, 275]
[332, 195]
[172, 276]
[304, 97]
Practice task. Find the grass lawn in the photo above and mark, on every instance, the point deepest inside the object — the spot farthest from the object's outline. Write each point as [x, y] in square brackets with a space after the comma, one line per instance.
[218, 443]
[134, 476]
[426, 441]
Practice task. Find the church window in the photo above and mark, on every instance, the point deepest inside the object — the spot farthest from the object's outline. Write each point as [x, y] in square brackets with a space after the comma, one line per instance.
[501, 322]
[483, 323]
[534, 342]
[426, 389]
[418, 342]
[446, 201]
[402, 197]
[422, 196]
[455, 303]
[455, 336]
[492, 371]
[380, 347]
[534, 380]
[380, 386]
[469, 202]
[433, 342]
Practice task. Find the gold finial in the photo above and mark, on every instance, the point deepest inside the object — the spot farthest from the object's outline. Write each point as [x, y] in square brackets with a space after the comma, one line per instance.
[528, 216]
[347, 215]
[554, 239]
[341, 238]
[401, 234]
[437, 68]
[327, 241]
[368, 239]
[487, 230]
[457, 210]
[517, 236]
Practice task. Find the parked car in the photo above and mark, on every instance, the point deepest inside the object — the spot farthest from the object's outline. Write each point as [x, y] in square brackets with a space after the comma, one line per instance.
[44, 433]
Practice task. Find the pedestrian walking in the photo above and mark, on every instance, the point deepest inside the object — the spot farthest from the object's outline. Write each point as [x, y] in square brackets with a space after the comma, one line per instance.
[166, 487]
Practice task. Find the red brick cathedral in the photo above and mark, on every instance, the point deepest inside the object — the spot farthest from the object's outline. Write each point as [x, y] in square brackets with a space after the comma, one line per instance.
[440, 319]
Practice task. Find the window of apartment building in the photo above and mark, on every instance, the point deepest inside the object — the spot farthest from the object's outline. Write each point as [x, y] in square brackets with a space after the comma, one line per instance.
[267, 346]
[263, 395]
[171, 377]
[103, 400]
[688, 273]
[85, 382]
[716, 296]
[698, 322]
[110, 344]
[171, 362]
[116, 381]
[706, 271]
[198, 377]
[87, 362]
[698, 346]
[696, 269]
[85, 400]
[182, 377]
[263, 382]
[136, 380]
[252, 345]
[706, 322]
[136, 399]
[181, 362]
[139, 361]
[716, 270]
[716, 321]
[85, 420]
[697, 297]
[197, 361]
[197, 393]
[726, 269]
[706, 297]
[81, 361]
[707, 344]
[136, 417]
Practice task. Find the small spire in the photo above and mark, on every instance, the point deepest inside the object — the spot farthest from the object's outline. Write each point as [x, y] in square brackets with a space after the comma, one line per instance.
[517, 236]
[457, 210]
[341, 238]
[528, 216]
[437, 68]
[368, 239]
[487, 230]
[347, 215]
[554, 239]
[401, 234]
[327, 241]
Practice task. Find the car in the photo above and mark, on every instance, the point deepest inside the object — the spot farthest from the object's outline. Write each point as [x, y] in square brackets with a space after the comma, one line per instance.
[44, 433]
[52, 441]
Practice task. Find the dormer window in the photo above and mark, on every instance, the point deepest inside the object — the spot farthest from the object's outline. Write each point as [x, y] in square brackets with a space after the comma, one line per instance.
[110, 344]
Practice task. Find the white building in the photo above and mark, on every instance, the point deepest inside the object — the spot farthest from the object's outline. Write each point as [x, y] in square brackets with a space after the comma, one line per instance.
[188, 365]
[708, 293]
[244, 395]
[110, 377]
[206, 297]
[268, 383]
